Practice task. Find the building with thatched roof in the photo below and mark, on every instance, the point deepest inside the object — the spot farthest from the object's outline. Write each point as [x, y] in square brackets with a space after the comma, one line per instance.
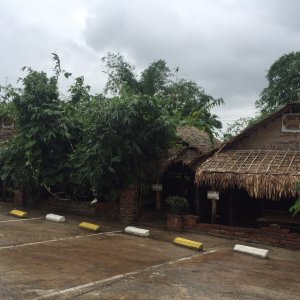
[261, 163]
[193, 145]
[178, 168]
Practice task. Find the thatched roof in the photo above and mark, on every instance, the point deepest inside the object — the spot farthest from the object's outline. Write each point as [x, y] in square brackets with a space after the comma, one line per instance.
[198, 139]
[193, 145]
[262, 173]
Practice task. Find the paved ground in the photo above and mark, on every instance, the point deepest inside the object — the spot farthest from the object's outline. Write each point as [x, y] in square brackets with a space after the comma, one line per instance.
[45, 260]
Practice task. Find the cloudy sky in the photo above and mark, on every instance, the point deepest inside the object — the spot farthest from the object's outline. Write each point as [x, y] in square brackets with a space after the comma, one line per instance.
[225, 45]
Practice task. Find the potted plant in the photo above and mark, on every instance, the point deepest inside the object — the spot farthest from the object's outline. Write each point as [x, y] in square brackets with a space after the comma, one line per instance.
[178, 206]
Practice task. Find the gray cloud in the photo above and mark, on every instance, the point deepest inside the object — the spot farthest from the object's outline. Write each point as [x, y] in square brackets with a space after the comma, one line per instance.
[224, 45]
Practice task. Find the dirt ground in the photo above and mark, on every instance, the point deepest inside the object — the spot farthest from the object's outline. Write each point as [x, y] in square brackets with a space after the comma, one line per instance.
[46, 260]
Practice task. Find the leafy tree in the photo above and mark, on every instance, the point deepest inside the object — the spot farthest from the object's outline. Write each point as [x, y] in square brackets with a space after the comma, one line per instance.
[284, 83]
[124, 137]
[120, 74]
[38, 155]
[241, 124]
[85, 140]
[235, 128]
[185, 100]
[155, 78]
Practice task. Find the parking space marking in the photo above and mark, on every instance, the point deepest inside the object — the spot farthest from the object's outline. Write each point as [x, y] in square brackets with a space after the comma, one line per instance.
[77, 290]
[57, 240]
[19, 220]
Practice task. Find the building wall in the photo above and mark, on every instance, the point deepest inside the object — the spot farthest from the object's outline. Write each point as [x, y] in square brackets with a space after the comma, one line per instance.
[270, 137]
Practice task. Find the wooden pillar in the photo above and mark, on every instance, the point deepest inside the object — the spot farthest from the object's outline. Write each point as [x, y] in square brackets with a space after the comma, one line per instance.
[197, 200]
[213, 210]
[181, 184]
[158, 201]
[230, 219]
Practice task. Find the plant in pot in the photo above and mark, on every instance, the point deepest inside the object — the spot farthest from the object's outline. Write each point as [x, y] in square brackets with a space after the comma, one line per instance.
[178, 205]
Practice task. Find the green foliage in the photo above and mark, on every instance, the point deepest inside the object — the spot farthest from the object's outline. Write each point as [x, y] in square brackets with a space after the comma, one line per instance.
[284, 83]
[38, 155]
[120, 74]
[85, 142]
[7, 107]
[295, 208]
[155, 78]
[185, 101]
[241, 124]
[124, 137]
[177, 201]
[235, 128]
[178, 205]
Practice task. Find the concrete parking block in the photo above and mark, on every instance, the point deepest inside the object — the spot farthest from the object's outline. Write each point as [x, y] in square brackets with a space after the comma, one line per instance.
[55, 218]
[89, 226]
[137, 231]
[263, 253]
[18, 213]
[188, 243]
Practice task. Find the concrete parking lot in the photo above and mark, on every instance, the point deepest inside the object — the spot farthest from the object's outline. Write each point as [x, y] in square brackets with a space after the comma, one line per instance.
[45, 260]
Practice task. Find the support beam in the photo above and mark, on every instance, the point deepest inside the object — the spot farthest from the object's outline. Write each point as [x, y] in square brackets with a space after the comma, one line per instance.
[213, 210]
[230, 221]
[158, 201]
[197, 200]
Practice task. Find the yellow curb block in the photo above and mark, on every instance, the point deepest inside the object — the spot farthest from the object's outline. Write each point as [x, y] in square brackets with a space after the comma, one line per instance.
[89, 226]
[188, 243]
[18, 213]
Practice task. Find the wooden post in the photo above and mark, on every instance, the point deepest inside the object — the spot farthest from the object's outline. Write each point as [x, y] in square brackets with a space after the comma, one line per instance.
[197, 202]
[158, 202]
[213, 210]
[230, 221]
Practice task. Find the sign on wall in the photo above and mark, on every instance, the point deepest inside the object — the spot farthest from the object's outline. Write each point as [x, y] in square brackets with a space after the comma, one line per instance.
[291, 122]
[157, 187]
[213, 195]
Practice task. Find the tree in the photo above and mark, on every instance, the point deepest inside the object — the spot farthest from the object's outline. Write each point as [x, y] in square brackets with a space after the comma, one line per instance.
[38, 155]
[124, 137]
[284, 83]
[185, 100]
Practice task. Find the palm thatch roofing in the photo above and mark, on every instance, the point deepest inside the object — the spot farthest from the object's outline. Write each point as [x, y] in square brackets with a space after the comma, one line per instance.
[269, 174]
[193, 146]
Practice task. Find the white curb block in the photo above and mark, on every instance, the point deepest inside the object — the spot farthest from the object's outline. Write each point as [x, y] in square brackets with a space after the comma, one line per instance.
[251, 250]
[137, 231]
[55, 218]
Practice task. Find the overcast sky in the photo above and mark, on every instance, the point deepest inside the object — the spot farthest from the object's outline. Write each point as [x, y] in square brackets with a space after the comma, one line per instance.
[226, 46]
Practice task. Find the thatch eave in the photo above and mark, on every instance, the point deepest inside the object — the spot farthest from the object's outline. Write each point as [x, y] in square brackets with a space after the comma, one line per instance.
[263, 174]
[269, 186]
